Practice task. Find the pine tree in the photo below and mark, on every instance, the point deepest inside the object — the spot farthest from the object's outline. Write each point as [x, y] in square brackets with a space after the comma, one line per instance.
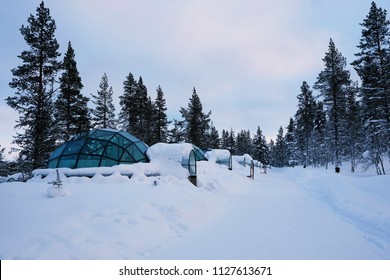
[34, 83]
[373, 67]
[128, 114]
[280, 150]
[333, 83]
[160, 118]
[291, 144]
[177, 133]
[354, 127]
[214, 142]
[320, 138]
[224, 139]
[103, 115]
[244, 143]
[71, 107]
[304, 119]
[197, 123]
[260, 147]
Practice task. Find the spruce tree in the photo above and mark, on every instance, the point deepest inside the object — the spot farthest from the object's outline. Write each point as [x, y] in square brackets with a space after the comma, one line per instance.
[34, 85]
[304, 119]
[320, 137]
[160, 118]
[71, 107]
[291, 144]
[213, 142]
[260, 147]
[224, 139]
[373, 66]
[127, 101]
[280, 150]
[197, 123]
[354, 127]
[103, 115]
[333, 83]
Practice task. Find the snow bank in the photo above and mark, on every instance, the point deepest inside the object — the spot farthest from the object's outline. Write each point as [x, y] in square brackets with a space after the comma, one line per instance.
[172, 152]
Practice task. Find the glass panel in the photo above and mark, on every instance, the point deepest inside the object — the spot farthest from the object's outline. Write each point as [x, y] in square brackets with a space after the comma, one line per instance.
[88, 161]
[129, 136]
[136, 153]
[94, 147]
[57, 152]
[108, 162]
[73, 147]
[112, 151]
[67, 161]
[126, 157]
[52, 163]
[192, 163]
[102, 134]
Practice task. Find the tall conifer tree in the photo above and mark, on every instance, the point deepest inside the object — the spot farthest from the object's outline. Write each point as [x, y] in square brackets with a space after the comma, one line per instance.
[71, 107]
[197, 123]
[34, 83]
[373, 66]
[103, 115]
[333, 83]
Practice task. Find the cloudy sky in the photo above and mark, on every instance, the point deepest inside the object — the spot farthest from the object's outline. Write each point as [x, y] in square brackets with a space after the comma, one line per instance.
[246, 58]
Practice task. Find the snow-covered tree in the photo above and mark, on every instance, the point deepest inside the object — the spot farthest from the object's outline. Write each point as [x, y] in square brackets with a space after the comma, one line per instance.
[304, 119]
[292, 153]
[71, 107]
[34, 85]
[373, 66]
[333, 83]
[354, 127]
[103, 115]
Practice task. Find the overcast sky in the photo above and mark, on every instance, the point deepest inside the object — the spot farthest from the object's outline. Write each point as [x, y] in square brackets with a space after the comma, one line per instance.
[246, 58]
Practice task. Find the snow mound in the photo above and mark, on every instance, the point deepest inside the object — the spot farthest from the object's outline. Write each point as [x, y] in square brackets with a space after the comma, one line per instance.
[57, 191]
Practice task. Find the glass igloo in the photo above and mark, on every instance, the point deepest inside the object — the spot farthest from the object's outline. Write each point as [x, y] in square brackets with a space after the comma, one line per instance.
[99, 147]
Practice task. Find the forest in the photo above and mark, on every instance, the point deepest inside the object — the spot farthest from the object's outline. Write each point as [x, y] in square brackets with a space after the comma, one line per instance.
[337, 120]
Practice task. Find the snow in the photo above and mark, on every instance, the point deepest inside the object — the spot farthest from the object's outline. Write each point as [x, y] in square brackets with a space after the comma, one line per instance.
[290, 213]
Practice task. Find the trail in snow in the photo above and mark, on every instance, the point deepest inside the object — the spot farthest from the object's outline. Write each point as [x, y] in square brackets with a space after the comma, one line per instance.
[287, 214]
[275, 219]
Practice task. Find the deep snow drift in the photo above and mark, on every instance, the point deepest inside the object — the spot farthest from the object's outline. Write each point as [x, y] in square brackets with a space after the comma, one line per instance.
[290, 213]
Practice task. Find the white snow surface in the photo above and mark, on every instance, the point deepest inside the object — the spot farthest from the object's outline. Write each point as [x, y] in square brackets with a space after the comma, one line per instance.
[290, 213]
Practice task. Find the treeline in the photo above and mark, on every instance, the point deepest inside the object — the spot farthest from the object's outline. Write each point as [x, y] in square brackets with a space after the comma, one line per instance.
[344, 121]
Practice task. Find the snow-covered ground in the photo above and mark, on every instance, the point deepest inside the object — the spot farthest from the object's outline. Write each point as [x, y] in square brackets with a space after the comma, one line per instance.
[290, 213]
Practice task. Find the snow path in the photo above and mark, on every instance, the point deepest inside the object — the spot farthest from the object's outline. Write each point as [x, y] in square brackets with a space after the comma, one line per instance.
[288, 214]
[276, 219]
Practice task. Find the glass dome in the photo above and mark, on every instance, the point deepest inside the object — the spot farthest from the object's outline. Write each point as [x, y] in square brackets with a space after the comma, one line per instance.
[99, 147]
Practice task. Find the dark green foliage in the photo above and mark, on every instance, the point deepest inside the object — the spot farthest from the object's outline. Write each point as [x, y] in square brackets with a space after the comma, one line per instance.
[244, 143]
[33, 82]
[373, 66]
[333, 83]
[214, 142]
[103, 115]
[196, 122]
[128, 113]
[304, 119]
[71, 107]
[160, 120]
[260, 147]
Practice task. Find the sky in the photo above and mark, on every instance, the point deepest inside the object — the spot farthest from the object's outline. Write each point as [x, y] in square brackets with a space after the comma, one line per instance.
[247, 59]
